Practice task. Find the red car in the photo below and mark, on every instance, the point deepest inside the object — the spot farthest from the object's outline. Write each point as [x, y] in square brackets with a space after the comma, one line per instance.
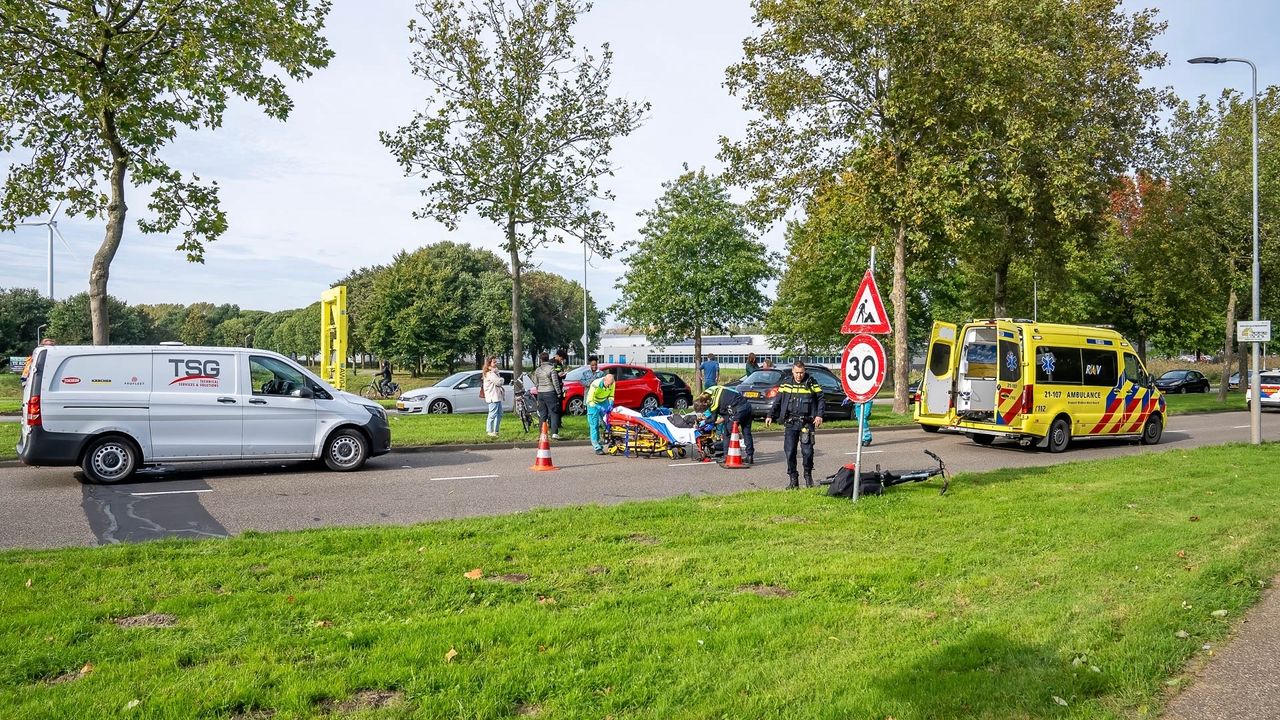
[637, 388]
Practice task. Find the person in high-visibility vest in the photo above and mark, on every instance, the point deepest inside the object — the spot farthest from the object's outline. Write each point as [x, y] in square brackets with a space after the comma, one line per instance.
[599, 397]
[730, 405]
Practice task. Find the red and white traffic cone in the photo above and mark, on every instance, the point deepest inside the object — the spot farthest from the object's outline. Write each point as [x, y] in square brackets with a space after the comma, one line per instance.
[733, 456]
[543, 459]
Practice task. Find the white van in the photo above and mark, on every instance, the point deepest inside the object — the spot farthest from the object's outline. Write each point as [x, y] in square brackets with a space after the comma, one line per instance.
[113, 409]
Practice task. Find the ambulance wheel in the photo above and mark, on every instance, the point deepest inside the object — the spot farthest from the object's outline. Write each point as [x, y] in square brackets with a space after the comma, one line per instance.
[1152, 430]
[110, 459]
[983, 439]
[930, 428]
[346, 450]
[1059, 435]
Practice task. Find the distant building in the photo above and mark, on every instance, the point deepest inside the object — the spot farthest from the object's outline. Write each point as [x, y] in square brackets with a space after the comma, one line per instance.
[730, 350]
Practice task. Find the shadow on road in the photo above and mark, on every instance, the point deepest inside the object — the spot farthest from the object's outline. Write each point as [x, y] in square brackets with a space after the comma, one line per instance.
[125, 513]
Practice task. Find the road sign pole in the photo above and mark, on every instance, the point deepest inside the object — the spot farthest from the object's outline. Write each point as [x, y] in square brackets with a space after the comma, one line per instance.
[857, 455]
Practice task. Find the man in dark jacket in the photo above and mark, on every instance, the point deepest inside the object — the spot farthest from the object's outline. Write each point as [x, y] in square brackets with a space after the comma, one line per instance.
[798, 406]
[729, 404]
[550, 391]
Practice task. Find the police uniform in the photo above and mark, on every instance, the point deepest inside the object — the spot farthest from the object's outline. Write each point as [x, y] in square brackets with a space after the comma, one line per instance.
[795, 406]
[730, 404]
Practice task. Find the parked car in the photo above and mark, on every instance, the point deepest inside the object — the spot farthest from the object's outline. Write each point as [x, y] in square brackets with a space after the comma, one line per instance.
[458, 393]
[1233, 383]
[676, 393]
[1269, 382]
[637, 388]
[761, 387]
[1182, 381]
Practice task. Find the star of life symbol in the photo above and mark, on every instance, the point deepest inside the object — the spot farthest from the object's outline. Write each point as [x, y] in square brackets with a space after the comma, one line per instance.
[1011, 361]
[1047, 363]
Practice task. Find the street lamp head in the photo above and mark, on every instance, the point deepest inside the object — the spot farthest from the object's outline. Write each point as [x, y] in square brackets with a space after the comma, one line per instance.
[1205, 60]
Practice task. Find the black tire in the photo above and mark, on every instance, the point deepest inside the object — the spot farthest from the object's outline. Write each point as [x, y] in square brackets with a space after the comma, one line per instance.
[983, 439]
[346, 450]
[1182, 390]
[1059, 435]
[439, 406]
[576, 406]
[111, 459]
[1152, 430]
[650, 402]
[930, 428]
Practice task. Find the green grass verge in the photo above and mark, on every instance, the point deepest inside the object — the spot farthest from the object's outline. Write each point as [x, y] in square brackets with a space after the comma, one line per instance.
[1203, 402]
[1073, 591]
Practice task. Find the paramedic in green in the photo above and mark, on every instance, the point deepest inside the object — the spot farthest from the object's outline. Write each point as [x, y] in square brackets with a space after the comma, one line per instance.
[798, 406]
[729, 404]
[599, 402]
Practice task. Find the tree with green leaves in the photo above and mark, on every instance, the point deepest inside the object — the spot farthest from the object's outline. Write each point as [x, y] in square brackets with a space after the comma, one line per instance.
[519, 126]
[555, 317]
[94, 91]
[22, 312]
[70, 322]
[697, 268]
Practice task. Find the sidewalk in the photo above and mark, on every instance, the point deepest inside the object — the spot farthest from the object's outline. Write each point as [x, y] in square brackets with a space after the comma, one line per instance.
[1241, 681]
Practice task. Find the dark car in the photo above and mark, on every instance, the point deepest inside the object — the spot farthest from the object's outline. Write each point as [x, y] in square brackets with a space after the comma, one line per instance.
[1182, 381]
[761, 387]
[676, 393]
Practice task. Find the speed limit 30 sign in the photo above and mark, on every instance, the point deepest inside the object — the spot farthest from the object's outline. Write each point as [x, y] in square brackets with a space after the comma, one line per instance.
[862, 368]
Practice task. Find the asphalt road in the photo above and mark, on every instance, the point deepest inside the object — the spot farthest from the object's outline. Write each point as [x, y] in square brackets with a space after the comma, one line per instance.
[49, 507]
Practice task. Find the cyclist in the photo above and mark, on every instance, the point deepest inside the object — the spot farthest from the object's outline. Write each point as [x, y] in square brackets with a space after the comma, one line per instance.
[384, 377]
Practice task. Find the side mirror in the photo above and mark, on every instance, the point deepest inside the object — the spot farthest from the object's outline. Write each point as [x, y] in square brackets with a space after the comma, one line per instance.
[303, 392]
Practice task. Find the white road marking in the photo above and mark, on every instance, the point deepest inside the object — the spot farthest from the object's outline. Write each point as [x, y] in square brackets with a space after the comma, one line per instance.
[866, 452]
[1241, 427]
[171, 492]
[693, 464]
[467, 477]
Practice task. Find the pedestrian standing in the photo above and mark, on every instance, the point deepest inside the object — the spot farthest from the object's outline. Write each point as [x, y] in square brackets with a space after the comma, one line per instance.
[593, 364]
[798, 406]
[710, 371]
[599, 398]
[752, 365]
[495, 393]
[730, 405]
[549, 388]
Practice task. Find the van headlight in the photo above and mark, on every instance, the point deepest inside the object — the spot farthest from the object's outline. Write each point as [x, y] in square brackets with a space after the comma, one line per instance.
[377, 412]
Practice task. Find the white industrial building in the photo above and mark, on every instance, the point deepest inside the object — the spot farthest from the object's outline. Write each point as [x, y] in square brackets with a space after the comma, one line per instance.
[730, 350]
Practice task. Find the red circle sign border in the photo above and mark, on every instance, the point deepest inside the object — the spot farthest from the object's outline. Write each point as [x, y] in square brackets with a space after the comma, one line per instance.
[876, 348]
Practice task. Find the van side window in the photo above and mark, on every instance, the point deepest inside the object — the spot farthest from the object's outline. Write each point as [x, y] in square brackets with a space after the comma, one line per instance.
[269, 376]
[1132, 369]
[1099, 367]
[1058, 365]
[1010, 361]
[940, 359]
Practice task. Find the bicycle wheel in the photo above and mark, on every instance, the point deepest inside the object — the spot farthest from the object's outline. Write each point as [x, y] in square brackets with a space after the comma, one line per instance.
[370, 391]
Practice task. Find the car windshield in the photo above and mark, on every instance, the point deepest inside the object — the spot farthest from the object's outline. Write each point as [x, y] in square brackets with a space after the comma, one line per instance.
[454, 379]
[1174, 375]
[763, 377]
[1269, 378]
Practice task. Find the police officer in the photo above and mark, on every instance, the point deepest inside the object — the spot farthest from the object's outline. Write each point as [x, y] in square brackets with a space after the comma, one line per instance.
[729, 404]
[798, 406]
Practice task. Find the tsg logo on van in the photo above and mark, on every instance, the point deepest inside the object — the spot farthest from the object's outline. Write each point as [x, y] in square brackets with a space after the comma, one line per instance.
[195, 373]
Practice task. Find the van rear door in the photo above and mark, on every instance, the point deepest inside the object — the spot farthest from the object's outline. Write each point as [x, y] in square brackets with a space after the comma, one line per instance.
[939, 371]
[1010, 391]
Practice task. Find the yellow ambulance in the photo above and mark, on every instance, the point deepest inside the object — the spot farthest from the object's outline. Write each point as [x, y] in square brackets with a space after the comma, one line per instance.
[1037, 383]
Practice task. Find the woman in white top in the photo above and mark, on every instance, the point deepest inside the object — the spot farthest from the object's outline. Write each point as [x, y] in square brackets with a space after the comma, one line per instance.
[494, 394]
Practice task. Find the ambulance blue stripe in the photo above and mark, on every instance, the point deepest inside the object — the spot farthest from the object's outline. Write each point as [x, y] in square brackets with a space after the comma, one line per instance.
[1006, 333]
[1097, 341]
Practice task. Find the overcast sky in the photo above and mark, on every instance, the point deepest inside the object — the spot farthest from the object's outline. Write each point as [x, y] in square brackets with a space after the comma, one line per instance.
[312, 198]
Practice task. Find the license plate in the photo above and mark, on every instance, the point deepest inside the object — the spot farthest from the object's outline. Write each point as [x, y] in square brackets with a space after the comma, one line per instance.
[399, 406]
[751, 394]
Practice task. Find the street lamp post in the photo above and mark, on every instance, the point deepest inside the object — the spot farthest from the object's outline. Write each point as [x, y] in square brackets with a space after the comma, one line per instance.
[1255, 382]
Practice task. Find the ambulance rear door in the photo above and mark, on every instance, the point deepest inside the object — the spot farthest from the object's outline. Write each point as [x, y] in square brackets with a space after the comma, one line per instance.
[1010, 390]
[939, 372]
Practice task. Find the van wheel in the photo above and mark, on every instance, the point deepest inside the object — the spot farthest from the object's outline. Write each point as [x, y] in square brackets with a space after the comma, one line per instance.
[983, 439]
[110, 459]
[1152, 430]
[346, 450]
[1059, 435]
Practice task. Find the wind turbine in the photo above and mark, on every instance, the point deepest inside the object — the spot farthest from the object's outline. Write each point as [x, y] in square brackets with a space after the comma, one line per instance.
[52, 225]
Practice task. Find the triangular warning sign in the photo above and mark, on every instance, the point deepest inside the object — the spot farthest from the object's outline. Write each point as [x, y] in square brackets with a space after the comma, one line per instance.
[866, 314]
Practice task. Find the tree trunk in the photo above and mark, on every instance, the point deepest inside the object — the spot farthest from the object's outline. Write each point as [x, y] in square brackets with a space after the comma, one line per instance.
[1226, 362]
[513, 248]
[697, 358]
[898, 296]
[116, 212]
[1001, 294]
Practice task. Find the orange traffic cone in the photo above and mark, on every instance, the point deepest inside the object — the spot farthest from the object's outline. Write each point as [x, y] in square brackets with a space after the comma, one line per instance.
[733, 456]
[543, 459]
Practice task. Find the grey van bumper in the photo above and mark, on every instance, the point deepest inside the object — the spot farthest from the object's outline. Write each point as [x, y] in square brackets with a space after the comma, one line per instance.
[51, 449]
[379, 436]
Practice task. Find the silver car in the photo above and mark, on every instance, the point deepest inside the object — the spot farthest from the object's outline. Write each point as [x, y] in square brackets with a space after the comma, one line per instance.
[457, 393]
